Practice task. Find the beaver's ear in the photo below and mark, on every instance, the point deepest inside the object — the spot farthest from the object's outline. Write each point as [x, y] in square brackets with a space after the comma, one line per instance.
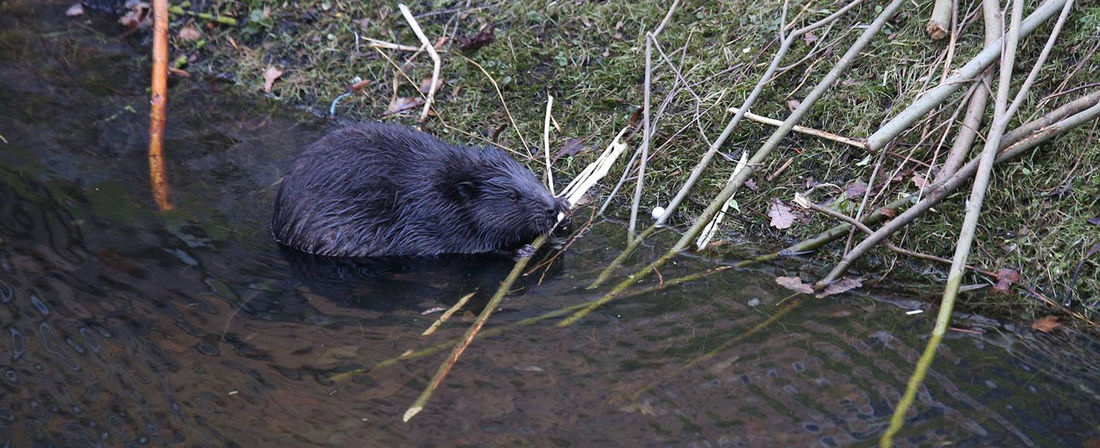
[466, 191]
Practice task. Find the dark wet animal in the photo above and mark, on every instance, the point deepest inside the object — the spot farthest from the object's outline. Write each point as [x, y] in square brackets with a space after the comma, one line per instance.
[380, 189]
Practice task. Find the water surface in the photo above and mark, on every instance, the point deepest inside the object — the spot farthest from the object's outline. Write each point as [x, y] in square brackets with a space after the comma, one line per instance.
[121, 326]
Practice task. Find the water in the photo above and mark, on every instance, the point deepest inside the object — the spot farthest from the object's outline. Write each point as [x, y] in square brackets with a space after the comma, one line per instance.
[120, 326]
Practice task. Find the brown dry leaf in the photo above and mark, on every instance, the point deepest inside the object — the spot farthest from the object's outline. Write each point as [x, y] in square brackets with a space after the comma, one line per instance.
[888, 212]
[751, 185]
[1047, 324]
[426, 85]
[270, 75]
[75, 10]
[636, 118]
[794, 284]
[189, 33]
[1005, 278]
[839, 286]
[402, 104]
[920, 181]
[781, 215]
[481, 39]
[793, 104]
[572, 147]
[856, 189]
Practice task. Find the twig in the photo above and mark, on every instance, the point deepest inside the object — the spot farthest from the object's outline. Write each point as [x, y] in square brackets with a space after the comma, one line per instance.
[754, 162]
[431, 52]
[647, 129]
[1001, 116]
[647, 133]
[447, 314]
[804, 130]
[158, 178]
[375, 43]
[1068, 109]
[546, 143]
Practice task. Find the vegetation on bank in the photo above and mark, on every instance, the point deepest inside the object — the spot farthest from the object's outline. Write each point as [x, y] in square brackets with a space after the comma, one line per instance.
[1040, 217]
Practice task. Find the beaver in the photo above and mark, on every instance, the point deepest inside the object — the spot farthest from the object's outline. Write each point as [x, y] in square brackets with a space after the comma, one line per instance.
[374, 189]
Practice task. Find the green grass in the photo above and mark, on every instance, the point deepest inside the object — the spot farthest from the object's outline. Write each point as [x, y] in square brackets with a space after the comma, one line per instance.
[590, 57]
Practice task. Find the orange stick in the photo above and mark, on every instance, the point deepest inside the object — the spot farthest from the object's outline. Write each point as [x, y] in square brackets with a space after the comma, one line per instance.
[157, 178]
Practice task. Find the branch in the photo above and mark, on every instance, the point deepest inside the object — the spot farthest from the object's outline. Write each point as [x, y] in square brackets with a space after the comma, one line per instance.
[158, 178]
[431, 52]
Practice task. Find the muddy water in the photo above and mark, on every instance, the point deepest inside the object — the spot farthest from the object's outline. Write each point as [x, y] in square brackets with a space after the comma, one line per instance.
[120, 326]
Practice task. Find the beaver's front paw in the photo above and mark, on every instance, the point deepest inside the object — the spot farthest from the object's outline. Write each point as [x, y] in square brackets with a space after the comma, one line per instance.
[524, 252]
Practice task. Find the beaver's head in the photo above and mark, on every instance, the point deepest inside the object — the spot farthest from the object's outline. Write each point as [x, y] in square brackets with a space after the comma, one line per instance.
[506, 202]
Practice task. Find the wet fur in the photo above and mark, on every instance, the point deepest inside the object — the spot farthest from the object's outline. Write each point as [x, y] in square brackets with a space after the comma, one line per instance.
[381, 189]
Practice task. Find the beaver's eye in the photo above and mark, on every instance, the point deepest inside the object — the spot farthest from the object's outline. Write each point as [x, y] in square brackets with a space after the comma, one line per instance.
[513, 196]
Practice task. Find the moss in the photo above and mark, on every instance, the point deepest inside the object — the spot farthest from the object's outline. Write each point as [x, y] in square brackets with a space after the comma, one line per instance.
[590, 57]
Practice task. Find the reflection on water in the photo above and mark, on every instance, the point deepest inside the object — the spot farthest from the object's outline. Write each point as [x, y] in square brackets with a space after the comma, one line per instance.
[122, 327]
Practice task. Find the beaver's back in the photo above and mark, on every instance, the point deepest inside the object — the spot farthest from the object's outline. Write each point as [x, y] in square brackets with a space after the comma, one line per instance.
[383, 189]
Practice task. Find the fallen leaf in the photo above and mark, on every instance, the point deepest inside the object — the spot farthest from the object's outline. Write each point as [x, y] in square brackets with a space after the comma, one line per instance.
[363, 24]
[856, 189]
[1005, 278]
[636, 118]
[572, 147]
[794, 284]
[270, 75]
[189, 33]
[809, 38]
[781, 215]
[75, 10]
[751, 185]
[481, 39]
[426, 85]
[1094, 221]
[402, 104]
[888, 212]
[842, 285]
[497, 131]
[920, 181]
[793, 104]
[1047, 324]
